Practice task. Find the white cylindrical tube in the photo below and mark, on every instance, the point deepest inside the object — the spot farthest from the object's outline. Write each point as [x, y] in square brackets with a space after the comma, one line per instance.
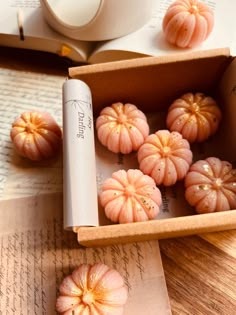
[79, 163]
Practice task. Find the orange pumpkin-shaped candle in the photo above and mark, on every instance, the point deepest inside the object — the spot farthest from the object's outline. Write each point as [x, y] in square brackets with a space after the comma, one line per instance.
[165, 156]
[122, 127]
[195, 116]
[36, 135]
[130, 196]
[211, 185]
[92, 290]
[187, 23]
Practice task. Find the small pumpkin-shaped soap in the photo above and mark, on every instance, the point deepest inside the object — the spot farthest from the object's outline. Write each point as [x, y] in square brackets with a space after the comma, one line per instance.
[92, 290]
[187, 23]
[122, 128]
[165, 156]
[130, 196]
[36, 135]
[211, 185]
[195, 116]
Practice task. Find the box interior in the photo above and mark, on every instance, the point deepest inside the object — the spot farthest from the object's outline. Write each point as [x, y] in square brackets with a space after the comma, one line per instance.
[152, 84]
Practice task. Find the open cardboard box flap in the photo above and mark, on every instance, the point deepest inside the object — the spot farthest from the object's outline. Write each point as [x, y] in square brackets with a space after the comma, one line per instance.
[152, 83]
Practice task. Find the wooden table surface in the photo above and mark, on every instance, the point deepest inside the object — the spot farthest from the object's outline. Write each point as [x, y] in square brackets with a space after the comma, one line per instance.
[201, 273]
[200, 270]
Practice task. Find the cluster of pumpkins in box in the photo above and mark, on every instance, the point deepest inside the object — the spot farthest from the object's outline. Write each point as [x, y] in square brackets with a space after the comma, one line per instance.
[164, 157]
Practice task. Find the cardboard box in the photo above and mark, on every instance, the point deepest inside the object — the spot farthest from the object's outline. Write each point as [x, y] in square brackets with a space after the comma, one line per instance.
[152, 83]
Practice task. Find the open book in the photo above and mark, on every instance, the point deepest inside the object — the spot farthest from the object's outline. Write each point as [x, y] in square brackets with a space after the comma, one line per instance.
[147, 41]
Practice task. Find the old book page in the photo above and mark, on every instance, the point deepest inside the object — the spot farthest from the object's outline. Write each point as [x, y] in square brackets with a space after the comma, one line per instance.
[36, 253]
[26, 91]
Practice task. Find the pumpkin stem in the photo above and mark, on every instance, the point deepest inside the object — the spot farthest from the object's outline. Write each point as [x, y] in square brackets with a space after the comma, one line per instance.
[194, 108]
[121, 118]
[87, 298]
[30, 127]
[129, 190]
[166, 151]
[193, 9]
[217, 184]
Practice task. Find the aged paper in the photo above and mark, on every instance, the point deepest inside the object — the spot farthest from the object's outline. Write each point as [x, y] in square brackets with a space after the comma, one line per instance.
[25, 91]
[36, 253]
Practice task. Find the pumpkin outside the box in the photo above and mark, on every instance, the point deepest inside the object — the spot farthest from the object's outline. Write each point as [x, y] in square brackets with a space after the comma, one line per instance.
[92, 289]
[36, 135]
[187, 23]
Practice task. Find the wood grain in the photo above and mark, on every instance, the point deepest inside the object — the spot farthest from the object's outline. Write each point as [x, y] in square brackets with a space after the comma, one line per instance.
[156, 229]
[201, 273]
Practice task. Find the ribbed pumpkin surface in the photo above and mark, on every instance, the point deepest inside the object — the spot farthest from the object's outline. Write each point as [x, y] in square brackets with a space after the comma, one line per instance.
[122, 127]
[92, 290]
[130, 196]
[165, 156]
[187, 23]
[36, 135]
[195, 116]
[211, 185]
